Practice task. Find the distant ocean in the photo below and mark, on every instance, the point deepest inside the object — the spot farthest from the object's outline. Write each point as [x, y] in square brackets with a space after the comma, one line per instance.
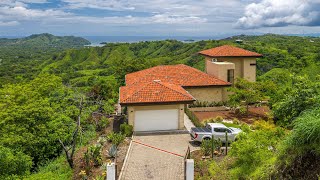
[96, 40]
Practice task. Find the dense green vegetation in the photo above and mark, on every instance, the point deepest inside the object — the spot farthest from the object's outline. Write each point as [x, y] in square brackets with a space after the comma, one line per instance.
[42, 76]
[22, 58]
[57, 169]
[34, 116]
[270, 151]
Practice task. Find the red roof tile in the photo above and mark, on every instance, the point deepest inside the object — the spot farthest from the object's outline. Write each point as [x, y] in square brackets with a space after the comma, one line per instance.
[229, 51]
[153, 92]
[180, 74]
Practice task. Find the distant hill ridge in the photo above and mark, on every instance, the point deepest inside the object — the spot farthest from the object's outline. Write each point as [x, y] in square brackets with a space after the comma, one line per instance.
[45, 39]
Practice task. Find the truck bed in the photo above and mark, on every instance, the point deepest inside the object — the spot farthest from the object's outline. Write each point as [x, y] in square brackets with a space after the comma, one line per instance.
[200, 130]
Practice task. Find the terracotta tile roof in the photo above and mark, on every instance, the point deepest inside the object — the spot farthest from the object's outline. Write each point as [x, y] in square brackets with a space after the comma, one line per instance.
[153, 92]
[229, 51]
[180, 74]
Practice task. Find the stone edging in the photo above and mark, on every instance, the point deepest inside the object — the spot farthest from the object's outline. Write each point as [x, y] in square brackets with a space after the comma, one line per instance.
[125, 159]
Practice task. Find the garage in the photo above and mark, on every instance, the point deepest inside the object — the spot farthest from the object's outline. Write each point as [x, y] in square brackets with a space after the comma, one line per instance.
[156, 120]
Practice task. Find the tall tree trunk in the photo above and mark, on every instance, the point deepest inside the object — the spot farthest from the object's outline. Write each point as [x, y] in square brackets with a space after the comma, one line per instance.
[69, 155]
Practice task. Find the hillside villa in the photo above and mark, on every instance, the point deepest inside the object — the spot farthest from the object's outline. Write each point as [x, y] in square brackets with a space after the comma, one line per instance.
[156, 97]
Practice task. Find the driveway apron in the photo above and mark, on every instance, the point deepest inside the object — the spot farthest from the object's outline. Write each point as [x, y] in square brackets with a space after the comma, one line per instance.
[156, 157]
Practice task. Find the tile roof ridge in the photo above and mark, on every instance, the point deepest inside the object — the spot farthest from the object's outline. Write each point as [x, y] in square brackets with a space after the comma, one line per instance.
[222, 48]
[164, 84]
[149, 70]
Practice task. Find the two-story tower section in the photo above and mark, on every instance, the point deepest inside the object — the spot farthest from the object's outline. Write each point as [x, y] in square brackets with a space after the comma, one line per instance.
[228, 63]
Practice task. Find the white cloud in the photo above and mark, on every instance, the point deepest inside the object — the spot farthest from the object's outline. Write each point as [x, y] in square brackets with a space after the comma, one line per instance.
[20, 2]
[171, 19]
[172, 7]
[99, 4]
[19, 13]
[9, 23]
[172, 12]
[276, 13]
[131, 20]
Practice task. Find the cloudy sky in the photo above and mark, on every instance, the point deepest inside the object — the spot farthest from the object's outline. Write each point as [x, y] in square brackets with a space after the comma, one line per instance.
[158, 17]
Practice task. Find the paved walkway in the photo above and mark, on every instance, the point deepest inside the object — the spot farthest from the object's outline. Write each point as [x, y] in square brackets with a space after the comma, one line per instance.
[188, 123]
[156, 157]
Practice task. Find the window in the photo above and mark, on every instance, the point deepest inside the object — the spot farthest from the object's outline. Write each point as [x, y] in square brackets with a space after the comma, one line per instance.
[208, 127]
[221, 130]
[230, 77]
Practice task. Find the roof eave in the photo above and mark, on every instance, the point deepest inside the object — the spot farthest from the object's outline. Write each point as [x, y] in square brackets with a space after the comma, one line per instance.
[255, 56]
[204, 86]
[157, 103]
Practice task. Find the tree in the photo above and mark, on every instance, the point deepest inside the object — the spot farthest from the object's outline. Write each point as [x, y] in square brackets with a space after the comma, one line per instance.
[34, 116]
[244, 93]
[85, 106]
[69, 150]
[303, 94]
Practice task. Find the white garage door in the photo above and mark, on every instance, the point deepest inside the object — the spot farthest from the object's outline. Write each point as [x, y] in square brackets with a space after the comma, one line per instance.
[151, 120]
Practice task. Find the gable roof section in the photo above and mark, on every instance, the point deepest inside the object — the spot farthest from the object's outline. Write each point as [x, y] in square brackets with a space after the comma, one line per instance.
[153, 92]
[180, 74]
[229, 51]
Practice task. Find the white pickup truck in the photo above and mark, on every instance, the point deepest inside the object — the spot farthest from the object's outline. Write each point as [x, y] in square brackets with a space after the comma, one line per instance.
[218, 131]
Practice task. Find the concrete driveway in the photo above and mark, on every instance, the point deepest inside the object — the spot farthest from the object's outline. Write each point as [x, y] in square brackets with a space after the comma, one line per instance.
[156, 157]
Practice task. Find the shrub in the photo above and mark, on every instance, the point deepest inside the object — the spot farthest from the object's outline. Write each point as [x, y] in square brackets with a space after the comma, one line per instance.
[217, 144]
[236, 121]
[219, 119]
[58, 169]
[13, 163]
[220, 169]
[202, 170]
[242, 110]
[306, 131]
[102, 123]
[301, 149]
[207, 104]
[95, 154]
[92, 157]
[206, 147]
[88, 164]
[210, 120]
[101, 140]
[254, 150]
[115, 138]
[245, 128]
[261, 124]
[126, 129]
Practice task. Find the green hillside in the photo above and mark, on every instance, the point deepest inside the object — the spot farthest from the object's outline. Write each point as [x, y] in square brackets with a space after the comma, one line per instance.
[21, 58]
[292, 53]
[45, 80]
[45, 40]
